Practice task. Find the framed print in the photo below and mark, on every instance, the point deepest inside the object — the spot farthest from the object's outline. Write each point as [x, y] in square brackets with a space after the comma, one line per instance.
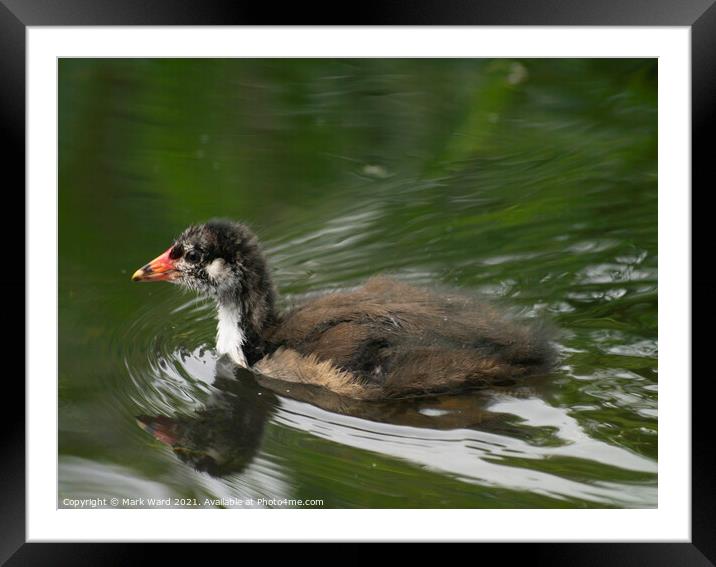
[430, 282]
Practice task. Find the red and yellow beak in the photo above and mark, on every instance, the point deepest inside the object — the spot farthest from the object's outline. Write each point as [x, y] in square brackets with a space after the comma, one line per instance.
[162, 268]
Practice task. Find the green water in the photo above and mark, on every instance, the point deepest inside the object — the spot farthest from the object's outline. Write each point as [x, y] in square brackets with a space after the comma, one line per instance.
[531, 181]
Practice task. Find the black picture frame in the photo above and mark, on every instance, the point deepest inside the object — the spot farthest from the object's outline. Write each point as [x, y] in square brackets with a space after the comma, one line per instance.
[699, 15]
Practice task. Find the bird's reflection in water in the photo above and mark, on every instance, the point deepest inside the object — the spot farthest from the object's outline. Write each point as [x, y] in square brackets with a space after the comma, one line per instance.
[225, 435]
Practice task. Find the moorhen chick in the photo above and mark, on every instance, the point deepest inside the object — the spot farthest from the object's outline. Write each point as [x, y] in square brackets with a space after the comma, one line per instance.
[385, 339]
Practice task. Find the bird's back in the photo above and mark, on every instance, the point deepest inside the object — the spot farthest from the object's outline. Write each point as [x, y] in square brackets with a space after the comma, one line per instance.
[390, 339]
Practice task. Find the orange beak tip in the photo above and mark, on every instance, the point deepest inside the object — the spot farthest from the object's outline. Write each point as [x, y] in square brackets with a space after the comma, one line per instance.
[161, 268]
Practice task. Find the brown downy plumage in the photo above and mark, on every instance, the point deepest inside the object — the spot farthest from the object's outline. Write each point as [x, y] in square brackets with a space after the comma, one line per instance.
[386, 339]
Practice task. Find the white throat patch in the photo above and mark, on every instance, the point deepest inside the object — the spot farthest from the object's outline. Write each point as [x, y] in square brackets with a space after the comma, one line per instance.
[230, 336]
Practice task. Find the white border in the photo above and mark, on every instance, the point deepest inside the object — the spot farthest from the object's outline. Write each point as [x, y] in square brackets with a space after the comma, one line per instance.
[670, 521]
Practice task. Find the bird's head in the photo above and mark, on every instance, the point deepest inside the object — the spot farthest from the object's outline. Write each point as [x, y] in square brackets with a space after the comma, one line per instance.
[222, 259]
[217, 258]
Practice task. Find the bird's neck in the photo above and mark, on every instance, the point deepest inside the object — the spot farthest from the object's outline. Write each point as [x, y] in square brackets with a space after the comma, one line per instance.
[241, 327]
[230, 334]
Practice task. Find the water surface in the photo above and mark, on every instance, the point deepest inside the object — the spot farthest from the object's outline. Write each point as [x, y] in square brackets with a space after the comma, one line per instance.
[532, 182]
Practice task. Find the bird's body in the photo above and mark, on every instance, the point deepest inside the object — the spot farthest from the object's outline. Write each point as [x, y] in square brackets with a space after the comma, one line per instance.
[391, 339]
[386, 339]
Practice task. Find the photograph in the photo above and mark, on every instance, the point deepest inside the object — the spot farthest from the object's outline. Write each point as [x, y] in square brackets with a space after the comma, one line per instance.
[357, 283]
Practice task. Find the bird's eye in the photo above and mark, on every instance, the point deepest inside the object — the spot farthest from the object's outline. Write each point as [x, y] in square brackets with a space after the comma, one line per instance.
[193, 256]
[176, 252]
